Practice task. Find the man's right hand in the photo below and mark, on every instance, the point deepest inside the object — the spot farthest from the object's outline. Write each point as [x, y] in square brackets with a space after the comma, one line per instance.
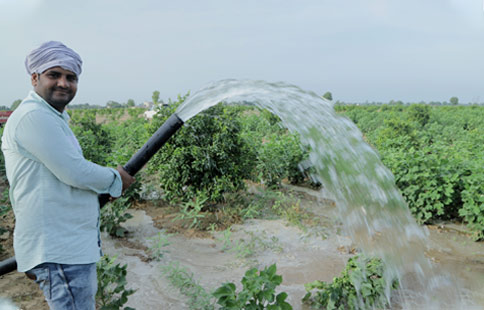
[125, 177]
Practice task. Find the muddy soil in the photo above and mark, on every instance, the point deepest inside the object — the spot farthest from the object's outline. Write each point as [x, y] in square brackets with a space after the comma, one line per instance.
[156, 247]
[302, 255]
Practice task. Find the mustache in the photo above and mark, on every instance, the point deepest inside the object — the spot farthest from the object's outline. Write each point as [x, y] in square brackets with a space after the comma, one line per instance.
[66, 90]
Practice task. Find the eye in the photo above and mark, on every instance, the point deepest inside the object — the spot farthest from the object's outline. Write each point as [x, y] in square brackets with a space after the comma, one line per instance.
[53, 75]
[72, 78]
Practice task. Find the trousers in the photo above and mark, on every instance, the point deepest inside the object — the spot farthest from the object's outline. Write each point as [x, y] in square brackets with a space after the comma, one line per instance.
[67, 287]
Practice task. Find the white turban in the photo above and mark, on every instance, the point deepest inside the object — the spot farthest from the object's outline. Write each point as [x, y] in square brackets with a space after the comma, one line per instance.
[53, 54]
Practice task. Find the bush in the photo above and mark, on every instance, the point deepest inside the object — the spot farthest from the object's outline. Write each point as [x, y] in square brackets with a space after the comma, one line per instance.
[428, 180]
[435, 153]
[473, 200]
[258, 292]
[419, 113]
[111, 281]
[278, 152]
[128, 137]
[109, 145]
[95, 141]
[279, 157]
[113, 214]
[206, 155]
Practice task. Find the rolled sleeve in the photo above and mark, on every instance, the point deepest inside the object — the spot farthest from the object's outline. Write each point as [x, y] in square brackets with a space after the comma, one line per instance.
[116, 187]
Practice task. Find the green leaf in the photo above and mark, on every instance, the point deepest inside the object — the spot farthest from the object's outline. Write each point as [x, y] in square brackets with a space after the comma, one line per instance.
[227, 289]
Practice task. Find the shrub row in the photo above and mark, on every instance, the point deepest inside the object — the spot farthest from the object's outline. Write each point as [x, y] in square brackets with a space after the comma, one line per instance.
[436, 155]
[215, 151]
[435, 152]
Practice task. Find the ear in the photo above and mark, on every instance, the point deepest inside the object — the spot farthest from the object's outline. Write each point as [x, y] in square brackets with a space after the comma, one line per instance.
[34, 79]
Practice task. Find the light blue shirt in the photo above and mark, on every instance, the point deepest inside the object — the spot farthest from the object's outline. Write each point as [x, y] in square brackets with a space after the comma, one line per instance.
[53, 188]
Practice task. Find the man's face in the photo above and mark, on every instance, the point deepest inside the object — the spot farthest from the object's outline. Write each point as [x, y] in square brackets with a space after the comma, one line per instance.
[56, 85]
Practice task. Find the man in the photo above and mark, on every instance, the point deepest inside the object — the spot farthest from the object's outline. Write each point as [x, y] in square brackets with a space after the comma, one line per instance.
[53, 189]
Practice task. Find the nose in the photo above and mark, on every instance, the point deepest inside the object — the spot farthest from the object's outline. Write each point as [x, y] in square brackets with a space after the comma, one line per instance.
[62, 82]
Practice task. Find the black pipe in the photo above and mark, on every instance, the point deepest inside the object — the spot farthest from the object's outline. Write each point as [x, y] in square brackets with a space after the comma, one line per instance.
[144, 154]
[134, 164]
[8, 265]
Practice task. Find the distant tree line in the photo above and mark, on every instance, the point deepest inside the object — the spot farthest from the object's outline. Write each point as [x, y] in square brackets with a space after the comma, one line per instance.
[82, 106]
[452, 101]
[156, 101]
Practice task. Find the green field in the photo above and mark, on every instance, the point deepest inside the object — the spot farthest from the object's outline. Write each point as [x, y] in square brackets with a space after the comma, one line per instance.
[434, 152]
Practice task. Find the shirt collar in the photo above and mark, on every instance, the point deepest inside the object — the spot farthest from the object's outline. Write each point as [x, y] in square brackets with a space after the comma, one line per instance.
[36, 97]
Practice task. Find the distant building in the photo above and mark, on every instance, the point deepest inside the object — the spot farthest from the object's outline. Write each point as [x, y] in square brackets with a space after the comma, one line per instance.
[147, 105]
[4, 115]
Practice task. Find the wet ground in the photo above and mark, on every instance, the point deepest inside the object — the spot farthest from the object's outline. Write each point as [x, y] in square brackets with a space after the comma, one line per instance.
[257, 243]
[209, 259]
[456, 255]
[301, 256]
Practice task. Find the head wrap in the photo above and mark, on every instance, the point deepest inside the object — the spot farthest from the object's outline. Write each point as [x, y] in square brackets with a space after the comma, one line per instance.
[53, 54]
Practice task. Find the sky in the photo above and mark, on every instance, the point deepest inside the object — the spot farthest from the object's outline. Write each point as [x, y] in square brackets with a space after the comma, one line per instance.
[359, 50]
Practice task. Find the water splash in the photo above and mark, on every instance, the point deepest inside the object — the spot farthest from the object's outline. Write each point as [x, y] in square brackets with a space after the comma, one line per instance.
[371, 208]
[6, 304]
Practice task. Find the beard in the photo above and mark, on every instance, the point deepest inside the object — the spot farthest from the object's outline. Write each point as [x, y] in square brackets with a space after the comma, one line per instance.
[59, 97]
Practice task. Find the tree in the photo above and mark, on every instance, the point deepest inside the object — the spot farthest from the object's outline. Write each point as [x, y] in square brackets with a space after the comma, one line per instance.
[130, 103]
[454, 100]
[113, 104]
[156, 97]
[328, 96]
[15, 104]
